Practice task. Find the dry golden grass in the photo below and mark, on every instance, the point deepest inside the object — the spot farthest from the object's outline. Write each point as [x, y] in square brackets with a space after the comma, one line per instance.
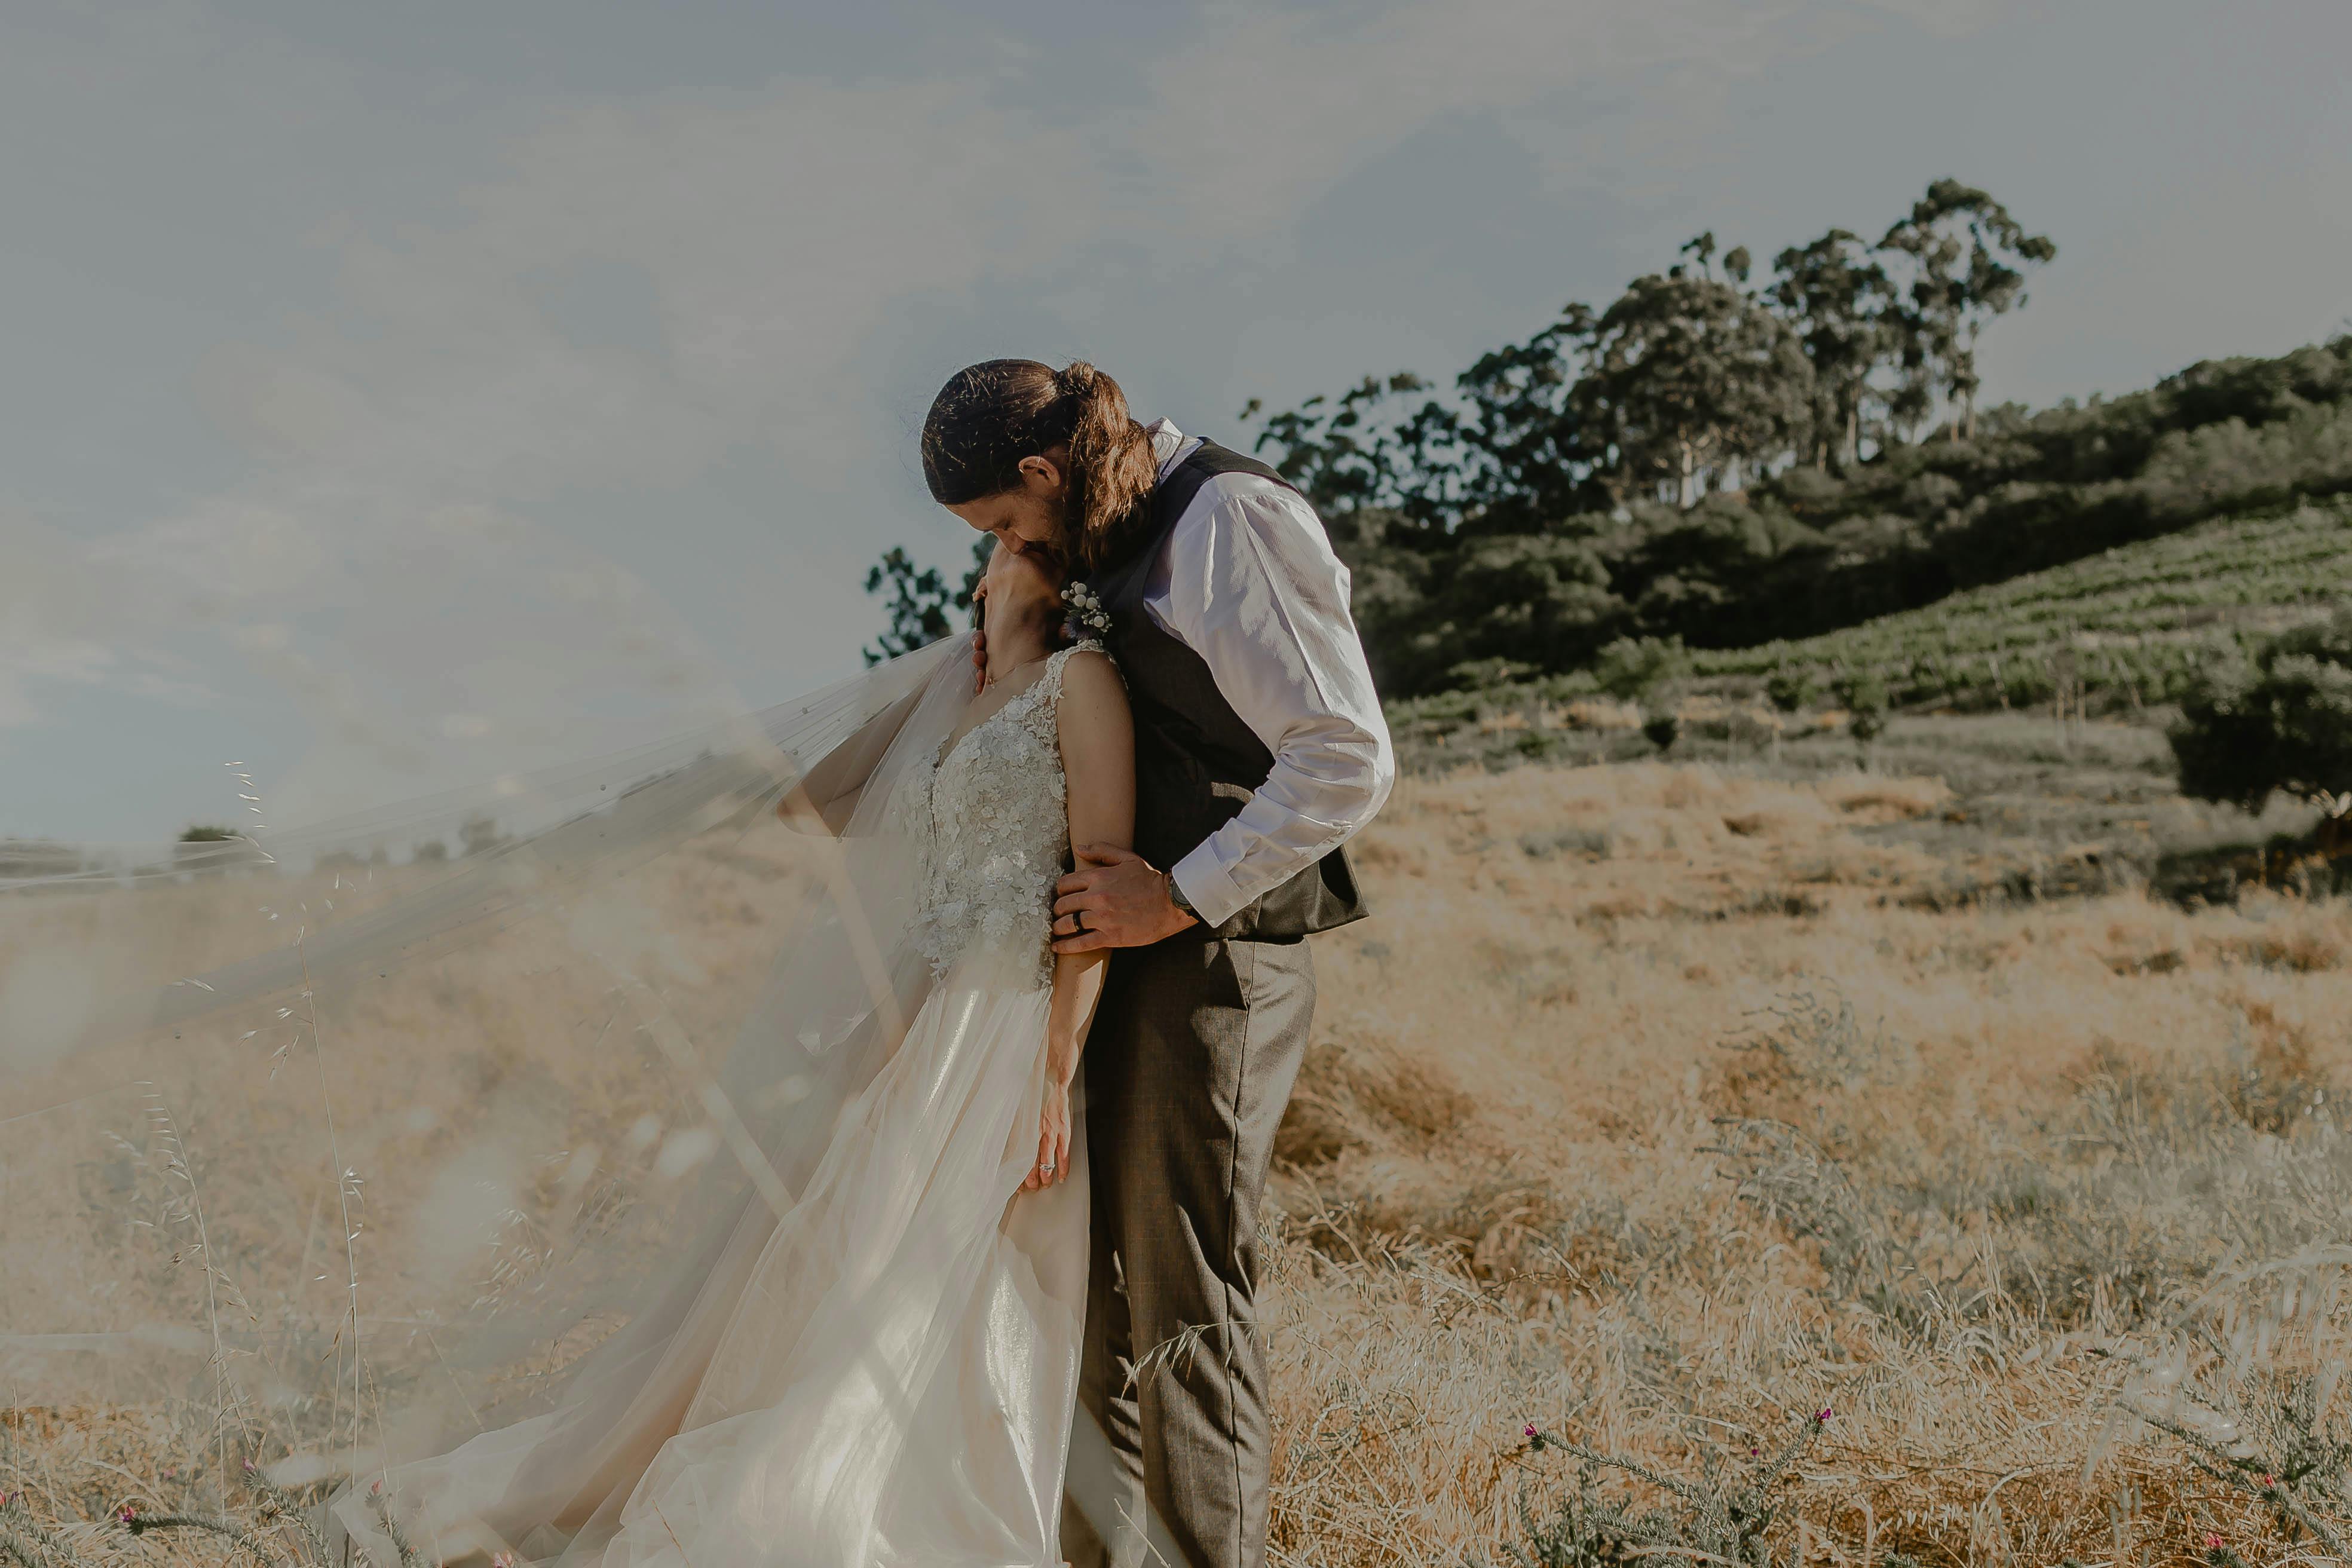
[1654, 1110]
[1503, 1211]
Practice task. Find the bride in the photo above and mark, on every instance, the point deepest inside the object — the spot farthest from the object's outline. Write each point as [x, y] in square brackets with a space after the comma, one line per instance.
[884, 1372]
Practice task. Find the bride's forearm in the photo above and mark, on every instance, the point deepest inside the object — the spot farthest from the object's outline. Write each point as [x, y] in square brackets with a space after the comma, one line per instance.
[1077, 987]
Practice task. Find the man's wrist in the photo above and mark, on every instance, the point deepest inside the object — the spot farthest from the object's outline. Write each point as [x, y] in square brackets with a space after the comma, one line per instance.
[1176, 897]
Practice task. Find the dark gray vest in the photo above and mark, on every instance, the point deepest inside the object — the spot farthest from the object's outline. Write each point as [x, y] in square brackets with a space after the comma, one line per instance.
[1197, 764]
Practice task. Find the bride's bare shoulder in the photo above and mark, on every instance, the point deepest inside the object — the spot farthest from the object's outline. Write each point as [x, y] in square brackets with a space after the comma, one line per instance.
[1092, 660]
[1090, 666]
[1092, 690]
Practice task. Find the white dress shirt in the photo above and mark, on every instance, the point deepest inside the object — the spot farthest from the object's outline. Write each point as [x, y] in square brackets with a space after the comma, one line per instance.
[1248, 581]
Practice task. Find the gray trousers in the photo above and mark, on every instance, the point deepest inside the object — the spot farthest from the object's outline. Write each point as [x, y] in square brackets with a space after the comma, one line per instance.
[1187, 1068]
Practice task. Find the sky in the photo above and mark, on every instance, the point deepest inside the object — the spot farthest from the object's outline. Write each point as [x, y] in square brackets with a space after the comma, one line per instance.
[395, 396]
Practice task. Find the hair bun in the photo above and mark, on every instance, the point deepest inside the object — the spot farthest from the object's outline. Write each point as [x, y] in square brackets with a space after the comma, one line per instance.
[991, 417]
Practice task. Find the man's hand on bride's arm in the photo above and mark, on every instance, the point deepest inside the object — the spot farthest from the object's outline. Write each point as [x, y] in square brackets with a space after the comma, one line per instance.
[1115, 899]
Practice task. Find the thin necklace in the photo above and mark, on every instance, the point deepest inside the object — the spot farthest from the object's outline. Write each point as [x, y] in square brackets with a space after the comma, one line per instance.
[988, 682]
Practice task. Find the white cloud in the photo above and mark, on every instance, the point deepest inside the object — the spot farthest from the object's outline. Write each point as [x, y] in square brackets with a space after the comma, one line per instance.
[774, 230]
[407, 545]
[56, 628]
[1263, 112]
[777, 230]
[1947, 19]
[24, 662]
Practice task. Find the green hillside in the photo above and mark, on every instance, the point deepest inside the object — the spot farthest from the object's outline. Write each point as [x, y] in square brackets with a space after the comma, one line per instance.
[2136, 620]
[2118, 632]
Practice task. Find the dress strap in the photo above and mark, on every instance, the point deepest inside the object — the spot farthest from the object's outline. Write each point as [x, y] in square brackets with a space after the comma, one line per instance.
[1044, 694]
[1052, 679]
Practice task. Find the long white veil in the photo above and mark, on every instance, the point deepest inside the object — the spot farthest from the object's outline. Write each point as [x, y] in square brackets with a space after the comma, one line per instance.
[356, 1140]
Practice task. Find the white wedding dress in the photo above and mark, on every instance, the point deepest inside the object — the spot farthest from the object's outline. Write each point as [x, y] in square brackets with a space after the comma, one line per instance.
[885, 1374]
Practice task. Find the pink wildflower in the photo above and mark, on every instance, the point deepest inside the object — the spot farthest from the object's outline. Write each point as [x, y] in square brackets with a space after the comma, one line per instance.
[2212, 1543]
[127, 1513]
[1531, 1428]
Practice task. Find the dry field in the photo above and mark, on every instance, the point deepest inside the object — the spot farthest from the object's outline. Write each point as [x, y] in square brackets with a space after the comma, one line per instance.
[1648, 1115]
[1698, 1163]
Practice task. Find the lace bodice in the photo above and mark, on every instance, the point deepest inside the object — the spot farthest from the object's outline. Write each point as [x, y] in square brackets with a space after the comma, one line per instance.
[992, 816]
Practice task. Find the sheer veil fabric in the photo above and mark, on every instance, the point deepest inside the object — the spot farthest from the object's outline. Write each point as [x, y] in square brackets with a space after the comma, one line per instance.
[591, 1166]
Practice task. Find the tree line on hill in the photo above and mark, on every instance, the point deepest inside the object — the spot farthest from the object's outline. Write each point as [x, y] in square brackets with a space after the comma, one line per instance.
[1732, 461]
[1805, 549]
[1730, 458]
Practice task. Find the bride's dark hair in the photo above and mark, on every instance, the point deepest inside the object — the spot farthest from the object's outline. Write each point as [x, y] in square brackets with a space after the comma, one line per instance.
[991, 415]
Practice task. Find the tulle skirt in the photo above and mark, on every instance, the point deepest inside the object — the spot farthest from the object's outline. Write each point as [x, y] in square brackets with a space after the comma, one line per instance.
[884, 1375]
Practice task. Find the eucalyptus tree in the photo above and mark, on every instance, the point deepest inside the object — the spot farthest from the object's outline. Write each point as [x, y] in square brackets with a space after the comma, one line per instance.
[1500, 454]
[1968, 260]
[1689, 375]
[1531, 461]
[918, 601]
[1371, 448]
[1843, 304]
[1700, 249]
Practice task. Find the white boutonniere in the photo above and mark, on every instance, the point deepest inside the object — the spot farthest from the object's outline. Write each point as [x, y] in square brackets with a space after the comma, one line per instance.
[1088, 616]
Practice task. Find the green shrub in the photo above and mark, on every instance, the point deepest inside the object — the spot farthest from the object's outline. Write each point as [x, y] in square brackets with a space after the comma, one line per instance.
[1630, 666]
[1860, 693]
[2280, 720]
[1789, 687]
[2026, 682]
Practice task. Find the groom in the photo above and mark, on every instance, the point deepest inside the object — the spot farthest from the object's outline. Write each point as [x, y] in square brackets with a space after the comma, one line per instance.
[1260, 748]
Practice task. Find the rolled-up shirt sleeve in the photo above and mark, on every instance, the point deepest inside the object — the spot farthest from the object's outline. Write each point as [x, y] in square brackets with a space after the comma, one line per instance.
[1253, 587]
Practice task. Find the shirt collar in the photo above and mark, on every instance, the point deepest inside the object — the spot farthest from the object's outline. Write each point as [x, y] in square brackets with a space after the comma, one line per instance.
[1170, 445]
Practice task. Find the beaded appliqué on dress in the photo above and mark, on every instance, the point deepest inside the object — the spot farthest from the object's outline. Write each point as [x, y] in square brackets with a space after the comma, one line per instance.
[993, 815]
